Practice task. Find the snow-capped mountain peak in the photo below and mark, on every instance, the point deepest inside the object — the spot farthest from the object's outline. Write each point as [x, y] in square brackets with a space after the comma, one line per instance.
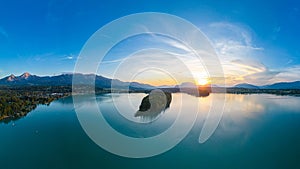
[11, 78]
[25, 75]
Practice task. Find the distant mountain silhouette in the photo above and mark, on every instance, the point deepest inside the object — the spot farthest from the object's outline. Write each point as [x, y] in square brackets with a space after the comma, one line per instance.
[283, 85]
[187, 85]
[66, 80]
[280, 85]
[103, 82]
[246, 86]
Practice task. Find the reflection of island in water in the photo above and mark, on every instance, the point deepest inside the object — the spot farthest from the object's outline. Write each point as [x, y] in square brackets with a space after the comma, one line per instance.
[153, 104]
[191, 89]
[200, 91]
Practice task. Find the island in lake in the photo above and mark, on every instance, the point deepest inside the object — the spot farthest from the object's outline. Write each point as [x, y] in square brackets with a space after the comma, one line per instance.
[153, 104]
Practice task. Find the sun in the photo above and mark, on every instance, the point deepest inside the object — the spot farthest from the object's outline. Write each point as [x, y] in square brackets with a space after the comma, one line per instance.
[202, 81]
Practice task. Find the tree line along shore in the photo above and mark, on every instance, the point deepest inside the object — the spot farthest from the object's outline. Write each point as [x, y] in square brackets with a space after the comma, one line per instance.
[16, 102]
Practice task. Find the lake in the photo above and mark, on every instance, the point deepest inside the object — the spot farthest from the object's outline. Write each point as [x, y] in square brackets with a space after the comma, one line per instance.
[256, 131]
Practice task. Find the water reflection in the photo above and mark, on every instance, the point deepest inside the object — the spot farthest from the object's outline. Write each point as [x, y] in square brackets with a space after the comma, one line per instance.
[197, 91]
[239, 115]
[259, 127]
[154, 104]
[243, 114]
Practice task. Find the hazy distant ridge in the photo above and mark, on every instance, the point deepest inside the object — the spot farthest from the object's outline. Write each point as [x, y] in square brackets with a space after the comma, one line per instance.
[280, 85]
[100, 81]
[66, 80]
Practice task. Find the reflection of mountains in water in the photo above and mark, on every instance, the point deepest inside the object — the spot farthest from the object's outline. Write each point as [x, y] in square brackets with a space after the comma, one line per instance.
[153, 104]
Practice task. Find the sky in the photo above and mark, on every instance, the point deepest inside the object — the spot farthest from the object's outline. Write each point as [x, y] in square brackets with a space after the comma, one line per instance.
[256, 41]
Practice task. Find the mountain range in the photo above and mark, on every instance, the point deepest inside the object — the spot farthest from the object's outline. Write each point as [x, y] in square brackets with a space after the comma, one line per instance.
[280, 85]
[66, 80]
[103, 82]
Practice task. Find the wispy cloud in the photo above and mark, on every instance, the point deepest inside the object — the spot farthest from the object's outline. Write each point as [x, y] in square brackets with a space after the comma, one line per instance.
[230, 38]
[164, 65]
[50, 58]
[288, 74]
[234, 43]
[239, 54]
[177, 45]
[113, 61]
[68, 57]
[249, 71]
[249, 66]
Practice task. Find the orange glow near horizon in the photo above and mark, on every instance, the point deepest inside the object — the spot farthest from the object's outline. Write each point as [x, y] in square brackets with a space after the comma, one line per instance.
[157, 78]
[202, 81]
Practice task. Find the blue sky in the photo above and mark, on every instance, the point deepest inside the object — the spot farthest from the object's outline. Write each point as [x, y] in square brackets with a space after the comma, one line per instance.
[257, 41]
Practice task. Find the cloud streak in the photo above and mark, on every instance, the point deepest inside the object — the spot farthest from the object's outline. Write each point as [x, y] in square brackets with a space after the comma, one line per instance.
[288, 74]
[235, 46]
[240, 56]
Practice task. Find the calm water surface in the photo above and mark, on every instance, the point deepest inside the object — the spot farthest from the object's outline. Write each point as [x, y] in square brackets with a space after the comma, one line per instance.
[256, 131]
